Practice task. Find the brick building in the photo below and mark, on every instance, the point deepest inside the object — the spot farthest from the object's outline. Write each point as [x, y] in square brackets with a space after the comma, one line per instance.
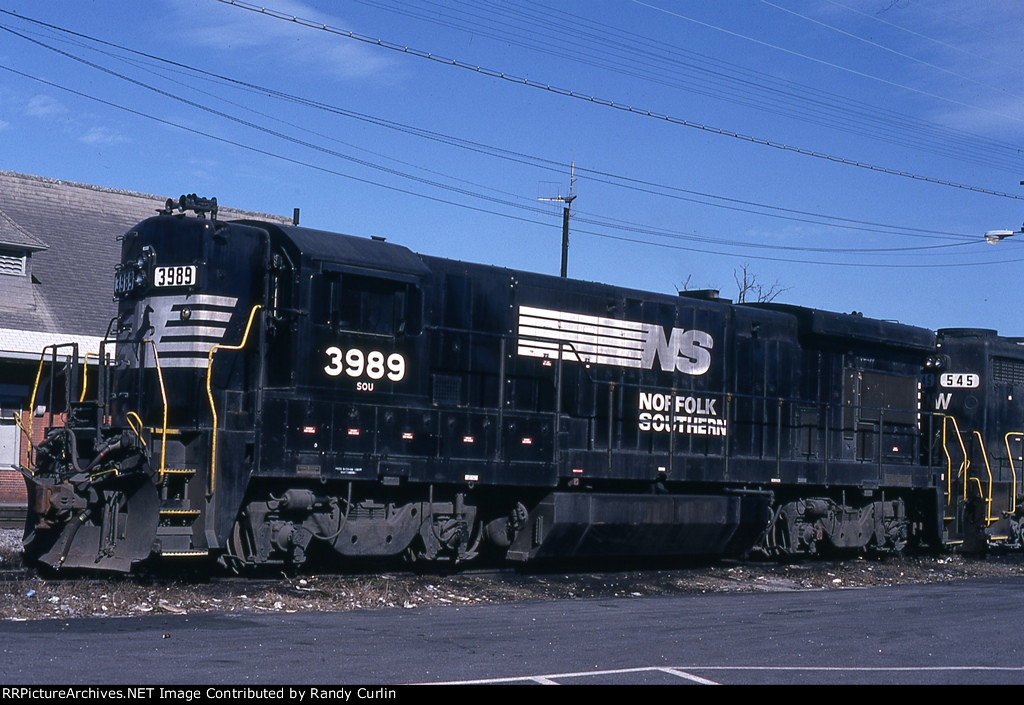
[58, 247]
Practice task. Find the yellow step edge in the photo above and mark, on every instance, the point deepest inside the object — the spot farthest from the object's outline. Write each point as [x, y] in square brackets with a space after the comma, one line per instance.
[185, 554]
[179, 471]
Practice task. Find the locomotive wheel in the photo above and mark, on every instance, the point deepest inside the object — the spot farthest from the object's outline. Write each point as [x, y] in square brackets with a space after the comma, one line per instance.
[238, 553]
[779, 535]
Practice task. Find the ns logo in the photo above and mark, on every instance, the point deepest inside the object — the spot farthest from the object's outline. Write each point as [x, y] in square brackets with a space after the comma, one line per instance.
[686, 351]
[596, 340]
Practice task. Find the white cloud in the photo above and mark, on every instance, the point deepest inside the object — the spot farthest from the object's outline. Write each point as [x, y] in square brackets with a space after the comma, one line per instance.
[102, 136]
[44, 106]
[268, 40]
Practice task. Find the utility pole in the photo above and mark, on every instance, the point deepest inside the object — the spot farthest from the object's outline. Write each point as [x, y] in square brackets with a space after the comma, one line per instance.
[567, 200]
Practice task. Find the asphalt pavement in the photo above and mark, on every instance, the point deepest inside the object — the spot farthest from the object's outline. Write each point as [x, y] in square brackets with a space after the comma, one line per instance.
[961, 633]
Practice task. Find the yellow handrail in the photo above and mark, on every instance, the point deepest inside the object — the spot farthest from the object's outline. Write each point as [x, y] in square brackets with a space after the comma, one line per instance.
[1013, 471]
[163, 398]
[35, 388]
[21, 424]
[27, 430]
[85, 374]
[949, 459]
[988, 469]
[138, 431]
[209, 392]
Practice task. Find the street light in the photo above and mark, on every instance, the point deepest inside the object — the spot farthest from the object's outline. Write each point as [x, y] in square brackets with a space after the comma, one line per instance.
[993, 237]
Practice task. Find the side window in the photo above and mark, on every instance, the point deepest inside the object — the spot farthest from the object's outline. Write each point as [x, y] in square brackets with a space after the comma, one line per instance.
[364, 304]
[371, 305]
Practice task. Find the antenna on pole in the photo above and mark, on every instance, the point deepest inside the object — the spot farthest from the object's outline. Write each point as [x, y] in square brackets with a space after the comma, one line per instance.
[567, 200]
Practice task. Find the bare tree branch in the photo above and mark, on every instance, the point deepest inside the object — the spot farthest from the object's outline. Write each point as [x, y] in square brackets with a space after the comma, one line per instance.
[686, 284]
[749, 289]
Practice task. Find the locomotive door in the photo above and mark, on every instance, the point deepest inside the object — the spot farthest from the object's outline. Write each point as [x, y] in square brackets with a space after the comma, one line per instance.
[364, 330]
[880, 416]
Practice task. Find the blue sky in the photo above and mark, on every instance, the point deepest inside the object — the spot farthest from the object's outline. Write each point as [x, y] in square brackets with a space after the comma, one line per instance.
[852, 152]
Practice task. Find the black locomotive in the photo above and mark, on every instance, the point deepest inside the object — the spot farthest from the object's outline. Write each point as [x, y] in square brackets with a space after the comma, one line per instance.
[270, 395]
[973, 386]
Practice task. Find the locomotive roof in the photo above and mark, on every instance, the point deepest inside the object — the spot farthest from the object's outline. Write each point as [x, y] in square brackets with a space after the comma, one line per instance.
[829, 324]
[353, 253]
[982, 338]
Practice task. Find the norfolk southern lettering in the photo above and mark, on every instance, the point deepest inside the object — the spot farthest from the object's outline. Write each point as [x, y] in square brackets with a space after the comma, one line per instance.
[609, 341]
[691, 415]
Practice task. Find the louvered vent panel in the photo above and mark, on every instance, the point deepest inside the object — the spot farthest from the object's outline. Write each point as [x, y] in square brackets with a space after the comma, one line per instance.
[1009, 371]
[13, 265]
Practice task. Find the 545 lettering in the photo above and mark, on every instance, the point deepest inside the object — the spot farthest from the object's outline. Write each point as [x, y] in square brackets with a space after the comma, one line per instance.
[358, 363]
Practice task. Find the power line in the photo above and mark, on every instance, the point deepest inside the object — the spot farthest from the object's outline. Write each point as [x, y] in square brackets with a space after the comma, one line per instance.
[601, 223]
[568, 93]
[591, 43]
[947, 45]
[908, 57]
[829, 64]
[620, 181]
[592, 233]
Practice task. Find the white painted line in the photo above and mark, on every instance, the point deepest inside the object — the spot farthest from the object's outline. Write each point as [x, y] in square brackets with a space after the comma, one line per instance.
[546, 676]
[685, 672]
[688, 676]
[857, 669]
